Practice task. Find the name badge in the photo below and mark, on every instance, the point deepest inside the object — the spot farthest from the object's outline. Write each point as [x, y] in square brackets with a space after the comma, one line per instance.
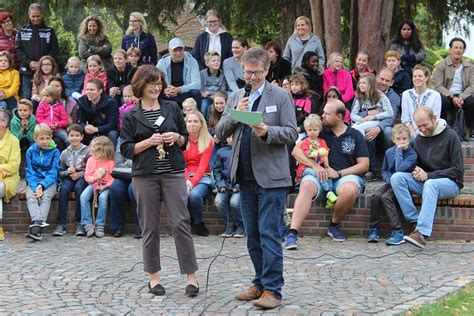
[271, 109]
[159, 121]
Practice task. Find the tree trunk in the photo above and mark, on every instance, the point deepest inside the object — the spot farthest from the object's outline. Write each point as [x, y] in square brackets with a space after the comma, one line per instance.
[374, 28]
[332, 26]
[354, 39]
[317, 18]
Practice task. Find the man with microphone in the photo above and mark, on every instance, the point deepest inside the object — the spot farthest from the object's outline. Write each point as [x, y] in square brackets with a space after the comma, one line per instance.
[260, 166]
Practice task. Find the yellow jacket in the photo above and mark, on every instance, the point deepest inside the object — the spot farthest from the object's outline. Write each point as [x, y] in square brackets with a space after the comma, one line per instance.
[10, 82]
[10, 158]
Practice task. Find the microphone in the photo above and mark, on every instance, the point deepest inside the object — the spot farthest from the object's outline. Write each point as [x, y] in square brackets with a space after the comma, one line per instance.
[247, 88]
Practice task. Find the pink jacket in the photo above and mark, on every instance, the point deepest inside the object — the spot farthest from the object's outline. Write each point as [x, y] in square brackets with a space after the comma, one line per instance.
[99, 75]
[122, 110]
[342, 80]
[91, 171]
[50, 114]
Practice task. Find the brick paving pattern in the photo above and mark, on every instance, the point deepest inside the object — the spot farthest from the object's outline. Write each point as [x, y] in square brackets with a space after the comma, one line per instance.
[73, 275]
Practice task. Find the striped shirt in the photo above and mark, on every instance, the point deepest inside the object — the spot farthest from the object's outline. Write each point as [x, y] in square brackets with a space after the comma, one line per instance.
[164, 165]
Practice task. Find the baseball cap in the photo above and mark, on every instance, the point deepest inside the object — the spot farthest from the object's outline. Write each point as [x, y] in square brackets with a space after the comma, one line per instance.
[175, 42]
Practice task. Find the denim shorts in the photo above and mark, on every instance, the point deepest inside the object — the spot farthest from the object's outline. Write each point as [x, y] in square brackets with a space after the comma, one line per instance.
[309, 174]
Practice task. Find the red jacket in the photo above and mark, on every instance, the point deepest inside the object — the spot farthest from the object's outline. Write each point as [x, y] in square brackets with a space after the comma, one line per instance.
[55, 113]
[342, 80]
[197, 164]
[8, 43]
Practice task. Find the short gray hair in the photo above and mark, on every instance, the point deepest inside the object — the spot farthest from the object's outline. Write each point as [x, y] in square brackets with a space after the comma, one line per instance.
[254, 56]
[35, 7]
[5, 116]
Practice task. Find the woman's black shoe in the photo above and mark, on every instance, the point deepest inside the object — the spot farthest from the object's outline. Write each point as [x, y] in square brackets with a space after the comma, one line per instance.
[192, 290]
[201, 229]
[158, 289]
[118, 233]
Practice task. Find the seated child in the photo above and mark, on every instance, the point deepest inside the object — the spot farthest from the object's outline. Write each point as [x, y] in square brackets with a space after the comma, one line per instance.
[23, 122]
[302, 99]
[9, 81]
[74, 78]
[129, 102]
[95, 69]
[99, 177]
[227, 199]
[73, 165]
[315, 149]
[52, 113]
[189, 105]
[399, 158]
[133, 56]
[370, 105]
[212, 80]
[42, 167]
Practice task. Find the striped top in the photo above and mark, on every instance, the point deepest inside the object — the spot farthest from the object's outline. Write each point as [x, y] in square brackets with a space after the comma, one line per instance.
[161, 166]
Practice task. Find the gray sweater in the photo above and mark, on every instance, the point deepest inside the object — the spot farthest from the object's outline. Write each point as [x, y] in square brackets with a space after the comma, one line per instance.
[212, 83]
[67, 160]
[295, 49]
[232, 72]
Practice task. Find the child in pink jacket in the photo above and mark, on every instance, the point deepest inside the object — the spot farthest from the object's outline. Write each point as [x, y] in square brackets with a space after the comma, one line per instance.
[52, 113]
[95, 69]
[129, 102]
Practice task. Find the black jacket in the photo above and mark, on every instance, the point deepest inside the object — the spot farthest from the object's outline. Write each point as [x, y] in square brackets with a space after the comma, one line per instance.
[104, 115]
[136, 127]
[440, 155]
[34, 42]
[116, 78]
[201, 47]
[279, 70]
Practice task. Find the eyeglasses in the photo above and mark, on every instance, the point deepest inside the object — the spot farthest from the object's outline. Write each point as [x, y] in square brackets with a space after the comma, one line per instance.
[257, 73]
[46, 64]
[213, 22]
[133, 21]
[155, 84]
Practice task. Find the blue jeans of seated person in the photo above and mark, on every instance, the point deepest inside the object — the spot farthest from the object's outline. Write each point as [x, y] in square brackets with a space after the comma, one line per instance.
[196, 198]
[205, 103]
[113, 135]
[8, 103]
[26, 85]
[228, 205]
[121, 191]
[404, 185]
[195, 94]
[261, 213]
[326, 185]
[62, 135]
[86, 213]
[67, 186]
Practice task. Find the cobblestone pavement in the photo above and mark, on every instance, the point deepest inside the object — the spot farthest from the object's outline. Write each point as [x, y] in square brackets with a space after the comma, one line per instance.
[72, 275]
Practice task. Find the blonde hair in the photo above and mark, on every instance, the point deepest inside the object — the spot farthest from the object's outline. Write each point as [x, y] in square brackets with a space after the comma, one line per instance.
[51, 91]
[127, 89]
[301, 79]
[392, 53]
[134, 51]
[306, 20]
[97, 59]
[141, 18]
[400, 129]
[332, 57]
[102, 148]
[313, 120]
[189, 102]
[72, 60]
[42, 129]
[372, 94]
[26, 102]
[204, 137]
[209, 55]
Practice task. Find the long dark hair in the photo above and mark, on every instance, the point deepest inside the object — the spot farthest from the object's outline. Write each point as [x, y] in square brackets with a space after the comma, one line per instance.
[414, 40]
[63, 86]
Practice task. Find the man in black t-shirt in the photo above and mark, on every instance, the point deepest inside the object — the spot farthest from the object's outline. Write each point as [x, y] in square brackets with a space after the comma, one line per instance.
[348, 160]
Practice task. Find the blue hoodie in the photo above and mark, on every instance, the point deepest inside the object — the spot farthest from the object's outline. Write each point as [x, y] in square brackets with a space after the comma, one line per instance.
[191, 75]
[398, 160]
[74, 83]
[42, 166]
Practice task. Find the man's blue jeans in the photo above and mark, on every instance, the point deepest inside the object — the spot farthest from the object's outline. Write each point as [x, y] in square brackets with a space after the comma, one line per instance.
[261, 213]
[404, 185]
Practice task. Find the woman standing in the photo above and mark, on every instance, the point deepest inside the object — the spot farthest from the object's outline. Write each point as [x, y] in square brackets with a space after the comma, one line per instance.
[8, 37]
[197, 158]
[233, 72]
[279, 66]
[420, 95]
[216, 38]
[302, 41]
[152, 125]
[93, 41]
[137, 36]
[408, 44]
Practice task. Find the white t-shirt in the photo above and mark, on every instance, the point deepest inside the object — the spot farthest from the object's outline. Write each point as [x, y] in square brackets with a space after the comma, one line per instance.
[456, 87]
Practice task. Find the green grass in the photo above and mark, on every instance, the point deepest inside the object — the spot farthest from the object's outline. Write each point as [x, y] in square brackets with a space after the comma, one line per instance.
[460, 303]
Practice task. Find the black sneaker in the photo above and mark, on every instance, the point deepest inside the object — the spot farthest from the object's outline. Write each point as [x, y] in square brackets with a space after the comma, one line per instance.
[59, 231]
[34, 228]
[239, 232]
[370, 176]
[229, 232]
[201, 230]
[80, 231]
[138, 234]
[43, 224]
[35, 237]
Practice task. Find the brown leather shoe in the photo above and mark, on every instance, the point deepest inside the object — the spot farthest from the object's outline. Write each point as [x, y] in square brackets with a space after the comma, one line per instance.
[251, 293]
[268, 300]
[416, 238]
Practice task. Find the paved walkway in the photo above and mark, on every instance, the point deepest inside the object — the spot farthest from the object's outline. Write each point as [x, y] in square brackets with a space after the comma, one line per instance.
[72, 275]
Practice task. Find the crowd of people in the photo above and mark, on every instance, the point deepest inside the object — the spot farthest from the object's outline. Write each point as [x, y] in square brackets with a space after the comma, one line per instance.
[124, 125]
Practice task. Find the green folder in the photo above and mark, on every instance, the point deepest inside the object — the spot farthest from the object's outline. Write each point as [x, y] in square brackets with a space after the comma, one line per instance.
[249, 118]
